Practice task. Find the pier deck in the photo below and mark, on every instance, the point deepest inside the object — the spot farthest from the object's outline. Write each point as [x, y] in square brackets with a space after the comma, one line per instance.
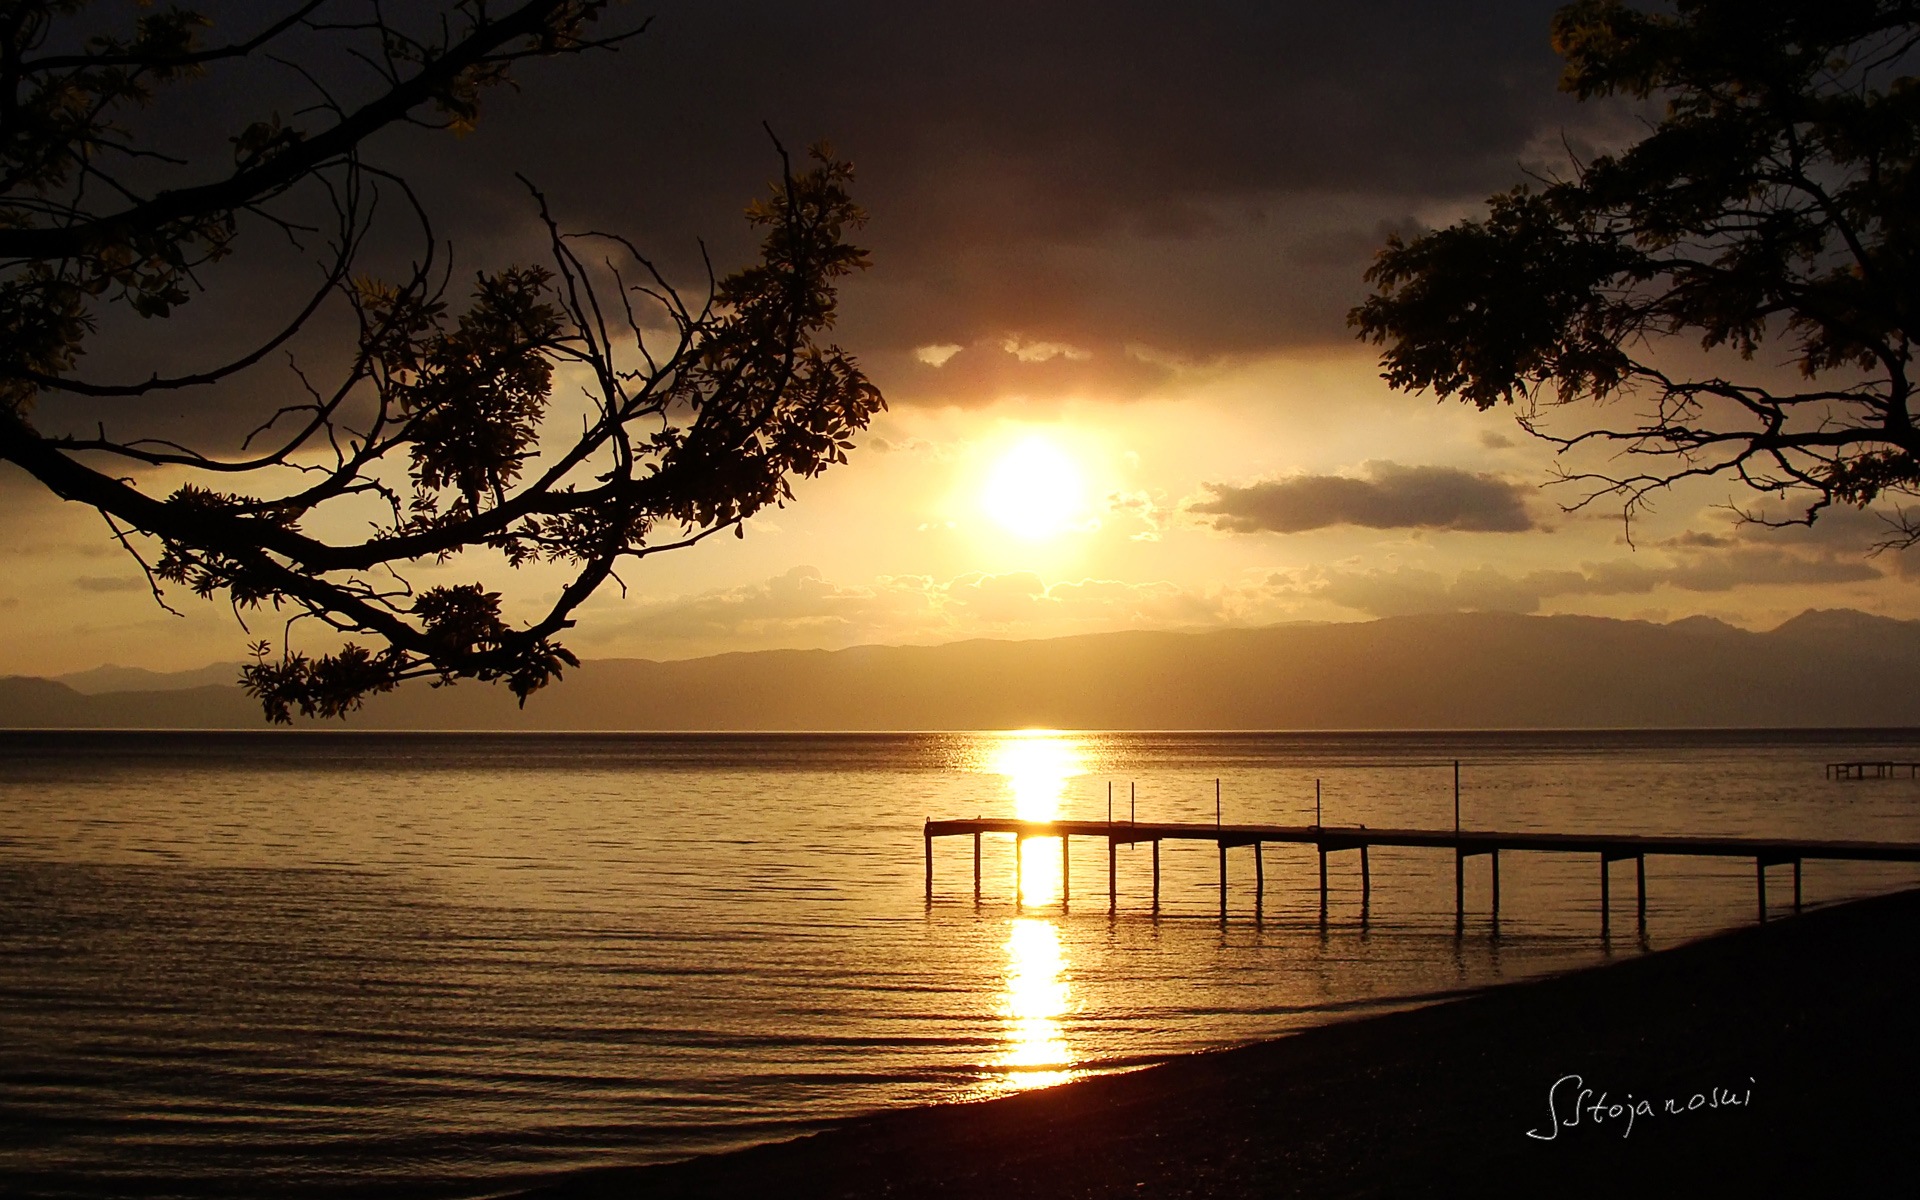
[1465, 843]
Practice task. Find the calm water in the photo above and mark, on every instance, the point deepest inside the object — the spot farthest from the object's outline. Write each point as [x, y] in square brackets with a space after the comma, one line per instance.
[332, 964]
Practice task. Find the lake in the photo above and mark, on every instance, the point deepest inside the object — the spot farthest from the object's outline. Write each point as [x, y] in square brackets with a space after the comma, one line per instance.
[330, 964]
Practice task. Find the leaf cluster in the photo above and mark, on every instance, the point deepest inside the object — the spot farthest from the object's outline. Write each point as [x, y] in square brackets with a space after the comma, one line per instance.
[694, 412]
[1774, 206]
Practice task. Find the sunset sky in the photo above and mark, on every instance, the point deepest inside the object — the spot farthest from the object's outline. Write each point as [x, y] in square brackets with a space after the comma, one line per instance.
[1114, 246]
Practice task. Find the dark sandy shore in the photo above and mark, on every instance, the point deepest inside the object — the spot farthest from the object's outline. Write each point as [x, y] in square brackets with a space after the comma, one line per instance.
[1814, 1017]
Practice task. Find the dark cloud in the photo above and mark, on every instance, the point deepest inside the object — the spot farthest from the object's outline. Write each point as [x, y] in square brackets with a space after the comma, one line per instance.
[1009, 152]
[1200, 179]
[1389, 496]
[1009, 366]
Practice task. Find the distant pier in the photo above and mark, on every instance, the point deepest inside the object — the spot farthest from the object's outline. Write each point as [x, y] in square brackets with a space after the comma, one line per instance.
[1465, 844]
[1845, 771]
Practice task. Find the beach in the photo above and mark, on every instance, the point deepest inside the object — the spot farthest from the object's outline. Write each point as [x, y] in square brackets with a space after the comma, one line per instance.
[1772, 1060]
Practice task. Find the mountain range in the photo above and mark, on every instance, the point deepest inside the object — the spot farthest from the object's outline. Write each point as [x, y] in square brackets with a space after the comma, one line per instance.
[1824, 668]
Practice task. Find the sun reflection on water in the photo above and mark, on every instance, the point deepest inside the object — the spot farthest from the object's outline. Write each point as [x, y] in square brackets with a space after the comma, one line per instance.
[1036, 997]
[1037, 764]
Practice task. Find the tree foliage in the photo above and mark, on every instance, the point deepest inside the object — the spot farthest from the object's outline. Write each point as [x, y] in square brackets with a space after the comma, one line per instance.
[440, 435]
[1771, 213]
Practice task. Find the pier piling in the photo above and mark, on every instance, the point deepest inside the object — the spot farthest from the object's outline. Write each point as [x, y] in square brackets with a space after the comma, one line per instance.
[1459, 889]
[1606, 901]
[1156, 876]
[1323, 883]
[1113, 882]
[1223, 881]
[1366, 883]
[1764, 852]
[1259, 881]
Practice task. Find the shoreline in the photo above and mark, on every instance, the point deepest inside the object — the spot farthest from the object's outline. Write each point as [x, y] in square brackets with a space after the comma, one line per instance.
[1798, 1037]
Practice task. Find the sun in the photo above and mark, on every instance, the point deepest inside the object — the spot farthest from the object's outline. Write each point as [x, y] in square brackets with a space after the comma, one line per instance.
[1035, 491]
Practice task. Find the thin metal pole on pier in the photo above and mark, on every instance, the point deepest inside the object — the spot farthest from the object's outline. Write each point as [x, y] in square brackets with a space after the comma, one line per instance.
[1156, 876]
[1456, 795]
[1065, 891]
[1019, 870]
[1323, 881]
[1316, 804]
[976, 868]
[1216, 801]
[1640, 885]
[929, 841]
[1366, 883]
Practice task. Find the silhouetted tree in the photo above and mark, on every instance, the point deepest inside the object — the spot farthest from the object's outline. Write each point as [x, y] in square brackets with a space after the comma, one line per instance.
[1773, 210]
[440, 433]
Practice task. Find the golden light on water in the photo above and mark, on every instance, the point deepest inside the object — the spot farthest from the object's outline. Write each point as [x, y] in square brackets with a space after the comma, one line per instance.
[1037, 764]
[1037, 996]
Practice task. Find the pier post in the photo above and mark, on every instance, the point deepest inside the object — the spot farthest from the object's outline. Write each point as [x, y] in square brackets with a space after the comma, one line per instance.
[1113, 885]
[1760, 875]
[1366, 883]
[1065, 891]
[1156, 876]
[1459, 889]
[929, 840]
[976, 867]
[1640, 889]
[1259, 881]
[1223, 881]
[1019, 870]
[1323, 881]
[1495, 856]
[1796, 885]
[1606, 898]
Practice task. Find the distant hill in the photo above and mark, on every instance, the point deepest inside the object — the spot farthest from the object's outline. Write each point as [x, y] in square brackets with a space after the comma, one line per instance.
[1445, 671]
[139, 679]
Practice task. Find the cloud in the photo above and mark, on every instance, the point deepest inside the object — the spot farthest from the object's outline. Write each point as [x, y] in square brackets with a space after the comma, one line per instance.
[1207, 176]
[1009, 365]
[1387, 496]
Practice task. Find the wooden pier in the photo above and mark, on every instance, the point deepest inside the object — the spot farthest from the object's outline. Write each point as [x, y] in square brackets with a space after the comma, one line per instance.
[1465, 844]
[1849, 771]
